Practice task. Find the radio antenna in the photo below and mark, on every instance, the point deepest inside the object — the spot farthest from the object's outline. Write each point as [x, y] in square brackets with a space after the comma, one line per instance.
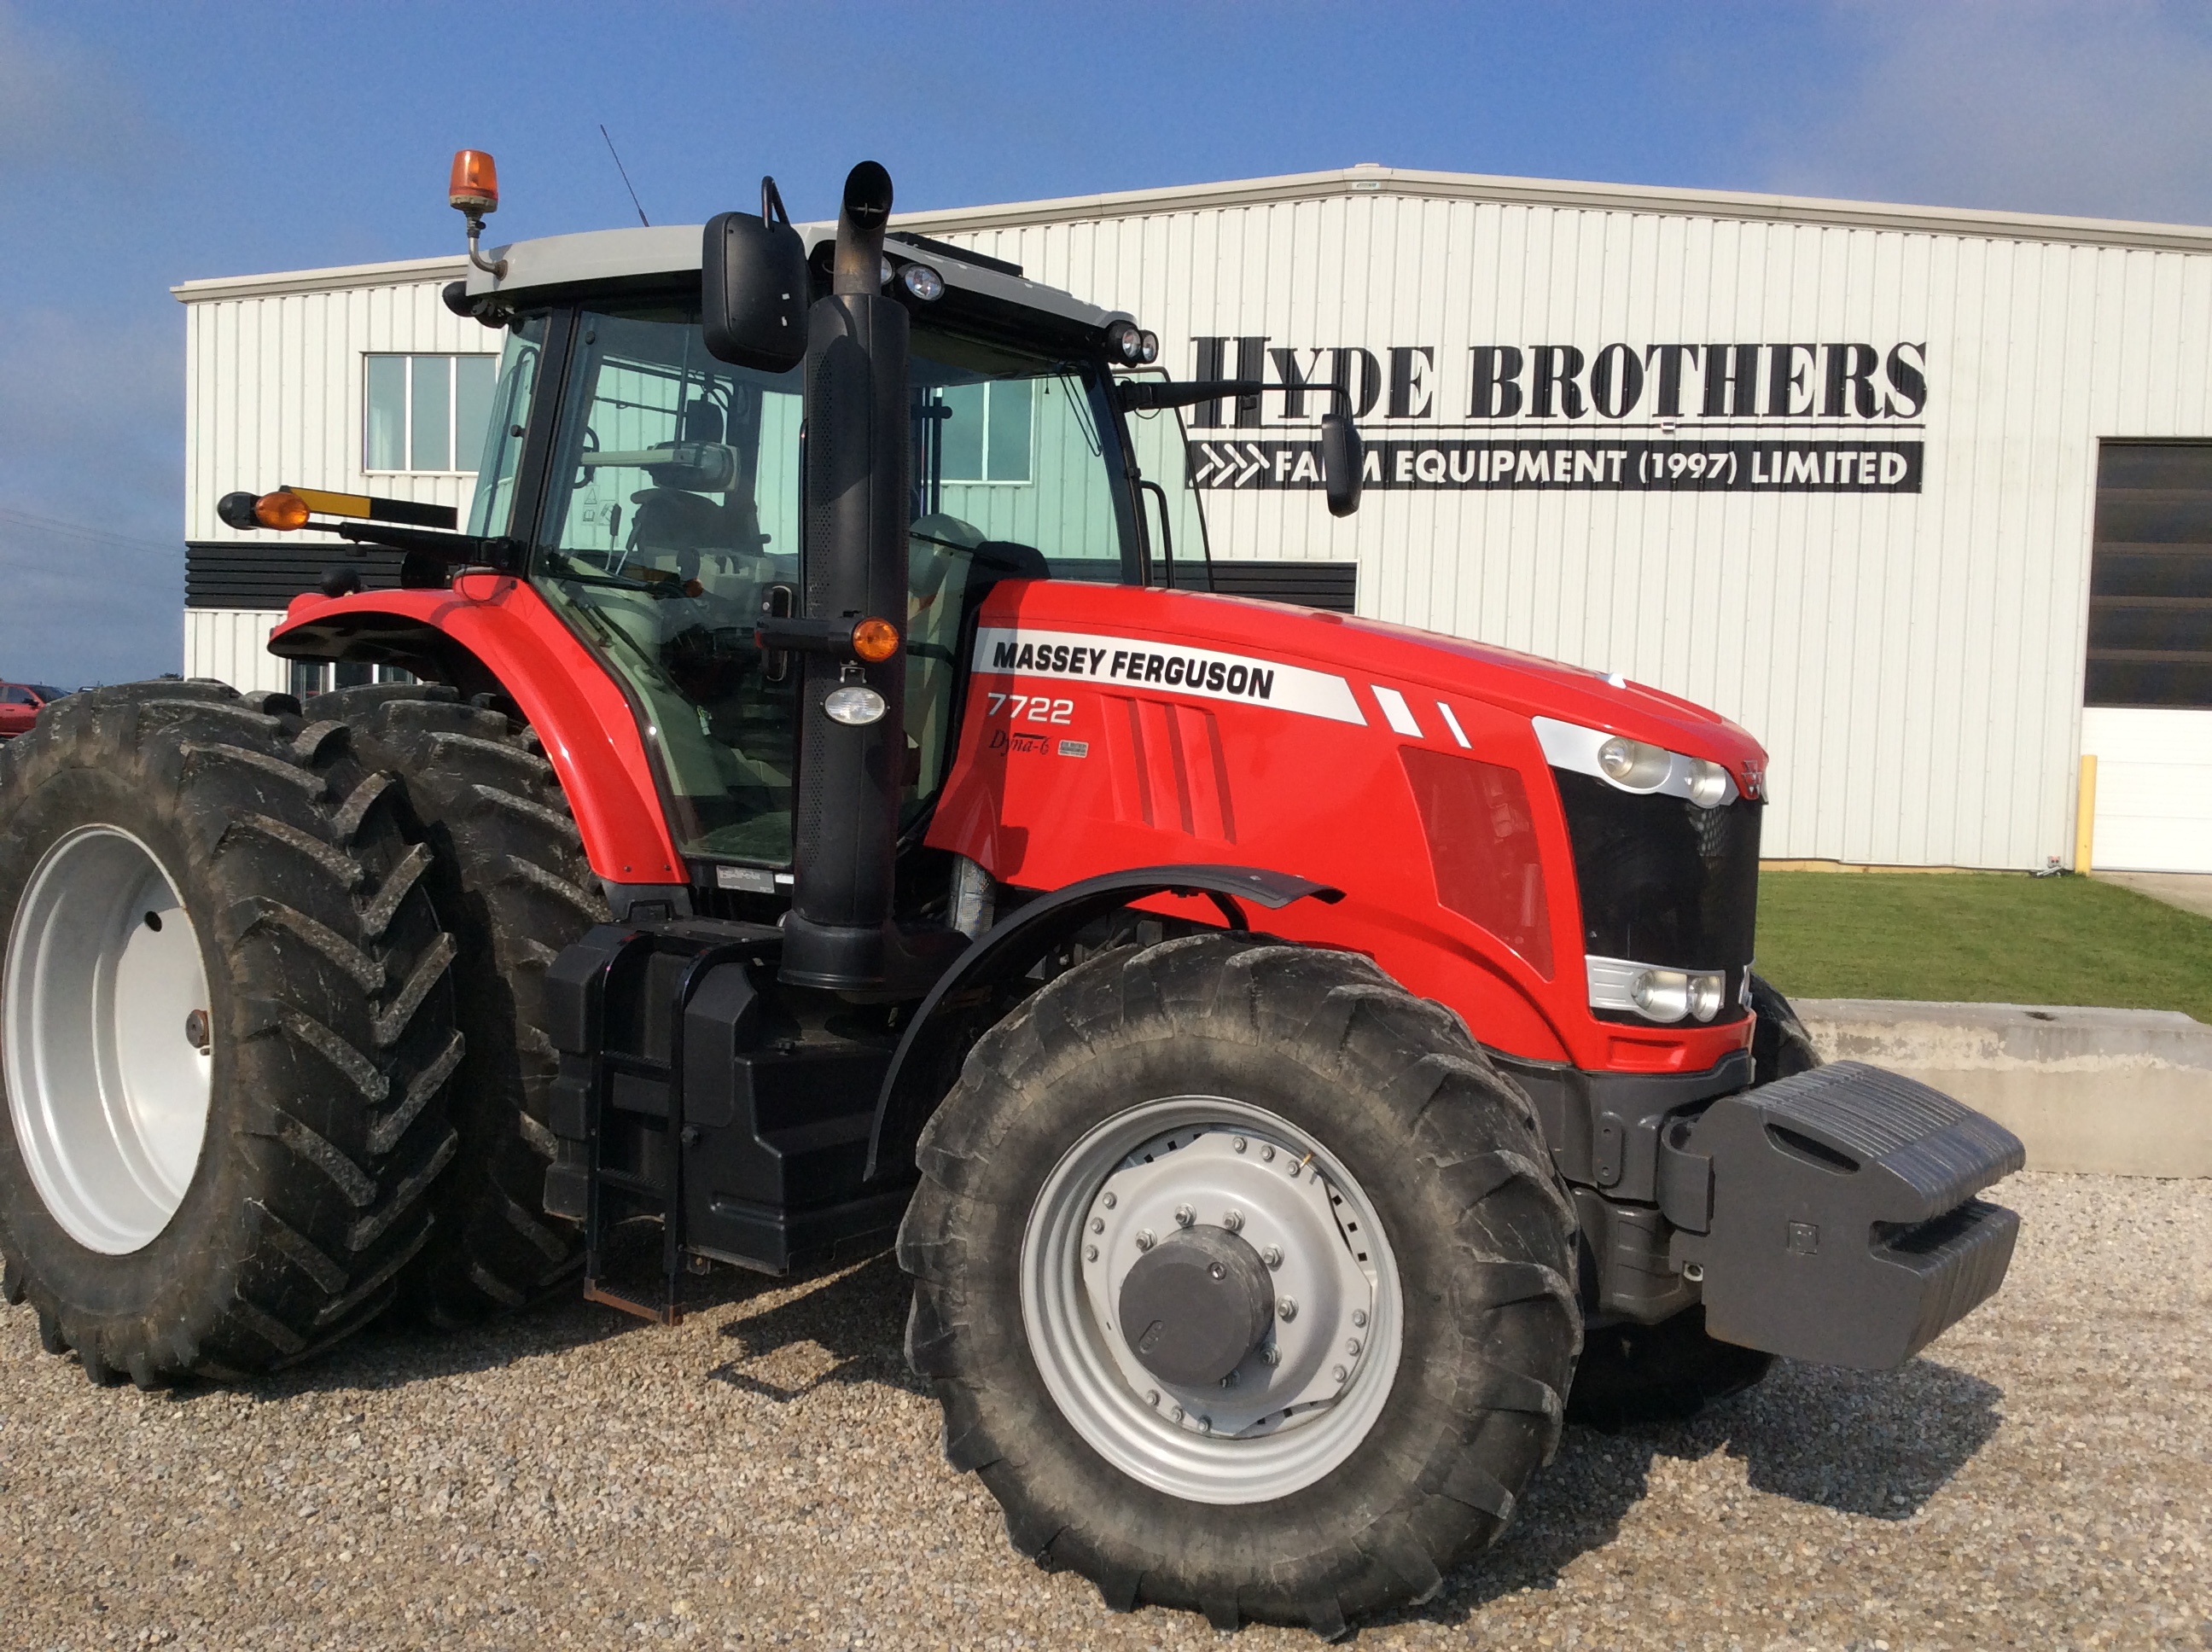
[624, 171]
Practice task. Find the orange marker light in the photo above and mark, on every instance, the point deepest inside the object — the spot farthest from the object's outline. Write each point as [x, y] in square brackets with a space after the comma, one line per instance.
[875, 640]
[475, 186]
[282, 510]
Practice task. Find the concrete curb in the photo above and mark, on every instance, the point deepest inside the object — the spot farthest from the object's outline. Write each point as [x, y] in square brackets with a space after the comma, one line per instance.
[2093, 1092]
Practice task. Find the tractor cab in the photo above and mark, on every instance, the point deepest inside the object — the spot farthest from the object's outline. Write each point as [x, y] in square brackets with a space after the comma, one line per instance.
[661, 491]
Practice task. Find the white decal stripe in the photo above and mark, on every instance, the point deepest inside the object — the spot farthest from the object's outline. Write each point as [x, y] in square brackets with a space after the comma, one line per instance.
[1395, 708]
[1136, 662]
[1452, 723]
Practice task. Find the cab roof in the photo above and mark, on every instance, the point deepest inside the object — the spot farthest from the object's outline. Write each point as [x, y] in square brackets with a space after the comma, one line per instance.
[634, 258]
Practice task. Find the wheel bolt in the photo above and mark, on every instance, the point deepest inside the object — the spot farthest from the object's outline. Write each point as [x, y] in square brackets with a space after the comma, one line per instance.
[1351, 1346]
[1271, 1355]
[1237, 1144]
[1090, 1253]
[1288, 1308]
[1272, 1255]
[195, 1029]
[1185, 1215]
[1175, 1414]
[1151, 1396]
[1267, 1152]
[1234, 1221]
[1337, 1373]
[1205, 1425]
[1143, 1238]
[1097, 1224]
[1109, 1200]
[1229, 1381]
[1359, 1316]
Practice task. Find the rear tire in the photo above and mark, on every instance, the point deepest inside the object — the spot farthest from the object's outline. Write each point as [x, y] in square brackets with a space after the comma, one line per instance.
[284, 1200]
[1398, 1112]
[512, 881]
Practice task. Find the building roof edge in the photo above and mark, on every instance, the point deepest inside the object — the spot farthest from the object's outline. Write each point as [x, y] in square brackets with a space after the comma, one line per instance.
[288, 282]
[1565, 192]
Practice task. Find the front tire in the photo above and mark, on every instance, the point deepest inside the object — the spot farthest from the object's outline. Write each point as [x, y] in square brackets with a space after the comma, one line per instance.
[1125, 1084]
[228, 1028]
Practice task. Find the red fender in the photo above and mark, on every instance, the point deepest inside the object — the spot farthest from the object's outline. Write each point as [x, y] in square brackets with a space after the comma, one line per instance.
[491, 630]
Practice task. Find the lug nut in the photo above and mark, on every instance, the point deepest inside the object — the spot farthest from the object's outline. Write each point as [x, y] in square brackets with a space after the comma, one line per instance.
[1205, 1425]
[1271, 1355]
[1175, 1414]
[1090, 1253]
[1234, 1221]
[1272, 1255]
[1359, 1316]
[1097, 1224]
[1109, 1201]
[1185, 1215]
[1151, 1396]
[1143, 1238]
[196, 1030]
[1351, 1346]
[1237, 1144]
[1288, 1308]
[1337, 1373]
[1229, 1381]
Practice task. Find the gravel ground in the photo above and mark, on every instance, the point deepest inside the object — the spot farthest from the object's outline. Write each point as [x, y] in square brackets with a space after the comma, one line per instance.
[768, 1473]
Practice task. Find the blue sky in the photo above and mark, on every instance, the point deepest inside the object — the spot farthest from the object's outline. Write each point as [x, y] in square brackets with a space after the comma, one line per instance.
[143, 145]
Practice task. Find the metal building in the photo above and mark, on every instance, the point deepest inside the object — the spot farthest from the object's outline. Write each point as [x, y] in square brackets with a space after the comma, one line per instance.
[1923, 498]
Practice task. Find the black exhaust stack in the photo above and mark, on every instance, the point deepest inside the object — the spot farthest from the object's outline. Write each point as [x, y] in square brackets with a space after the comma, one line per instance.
[840, 933]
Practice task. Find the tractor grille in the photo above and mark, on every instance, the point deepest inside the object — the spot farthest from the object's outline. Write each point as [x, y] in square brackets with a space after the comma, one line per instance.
[1662, 881]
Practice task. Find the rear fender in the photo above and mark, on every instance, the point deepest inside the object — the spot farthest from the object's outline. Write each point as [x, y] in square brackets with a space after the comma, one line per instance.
[928, 1056]
[491, 633]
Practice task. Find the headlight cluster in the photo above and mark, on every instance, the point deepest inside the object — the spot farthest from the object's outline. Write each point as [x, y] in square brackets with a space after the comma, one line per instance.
[1678, 995]
[1655, 991]
[1635, 765]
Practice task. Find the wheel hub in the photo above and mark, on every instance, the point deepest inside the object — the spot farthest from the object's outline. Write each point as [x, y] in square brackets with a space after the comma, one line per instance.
[1195, 1305]
[105, 1035]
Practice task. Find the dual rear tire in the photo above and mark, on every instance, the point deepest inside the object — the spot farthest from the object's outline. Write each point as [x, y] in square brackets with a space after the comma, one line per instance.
[227, 1025]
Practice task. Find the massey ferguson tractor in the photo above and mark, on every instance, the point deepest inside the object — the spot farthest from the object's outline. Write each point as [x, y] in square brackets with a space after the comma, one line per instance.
[1301, 1060]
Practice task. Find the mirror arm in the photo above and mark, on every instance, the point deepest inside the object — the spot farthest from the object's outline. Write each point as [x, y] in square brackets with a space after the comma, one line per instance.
[461, 550]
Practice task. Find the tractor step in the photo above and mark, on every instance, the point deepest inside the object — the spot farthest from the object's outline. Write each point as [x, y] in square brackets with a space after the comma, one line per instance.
[1833, 1216]
[688, 1095]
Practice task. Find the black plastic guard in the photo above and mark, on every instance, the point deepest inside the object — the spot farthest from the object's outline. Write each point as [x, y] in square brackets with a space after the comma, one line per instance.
[1842, 1224]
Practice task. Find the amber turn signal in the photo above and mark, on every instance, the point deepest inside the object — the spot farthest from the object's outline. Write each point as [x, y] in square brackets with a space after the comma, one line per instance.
[875, 640]
[475, 185]
[283, 510]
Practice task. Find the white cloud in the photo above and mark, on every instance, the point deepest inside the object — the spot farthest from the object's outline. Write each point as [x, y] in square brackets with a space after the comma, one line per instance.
[2103, 109]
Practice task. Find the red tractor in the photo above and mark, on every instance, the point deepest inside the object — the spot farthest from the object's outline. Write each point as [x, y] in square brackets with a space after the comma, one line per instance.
[1302, 1060]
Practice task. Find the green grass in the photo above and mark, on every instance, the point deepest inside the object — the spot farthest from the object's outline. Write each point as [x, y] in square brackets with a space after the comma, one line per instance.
[1981, 937]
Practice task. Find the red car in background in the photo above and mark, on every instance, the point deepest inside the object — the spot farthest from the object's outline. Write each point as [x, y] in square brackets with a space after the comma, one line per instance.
[19, 706]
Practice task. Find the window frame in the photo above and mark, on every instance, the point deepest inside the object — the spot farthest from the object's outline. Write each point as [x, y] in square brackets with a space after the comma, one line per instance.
[454, 440]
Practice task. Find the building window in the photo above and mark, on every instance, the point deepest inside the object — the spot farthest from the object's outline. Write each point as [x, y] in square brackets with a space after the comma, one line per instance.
[313, 676]
[427, 412]
[984, 430]
[2150, 576]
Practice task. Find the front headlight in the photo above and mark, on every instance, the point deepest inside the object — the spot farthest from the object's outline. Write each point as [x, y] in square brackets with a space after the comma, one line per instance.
[1654, 993]
[1636, 766]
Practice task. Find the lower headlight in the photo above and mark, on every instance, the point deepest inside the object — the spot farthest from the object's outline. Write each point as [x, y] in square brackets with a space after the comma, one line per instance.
[1678, 995]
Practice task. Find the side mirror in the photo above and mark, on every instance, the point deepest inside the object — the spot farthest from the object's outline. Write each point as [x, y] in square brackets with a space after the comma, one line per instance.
[1342, 455]
[753, 292]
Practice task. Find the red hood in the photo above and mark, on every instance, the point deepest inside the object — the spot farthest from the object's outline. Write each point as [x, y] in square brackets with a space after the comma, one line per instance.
[1519, 682]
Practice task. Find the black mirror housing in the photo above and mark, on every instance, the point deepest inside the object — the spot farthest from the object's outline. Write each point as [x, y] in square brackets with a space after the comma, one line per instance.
[753, 289]
[1342, 457]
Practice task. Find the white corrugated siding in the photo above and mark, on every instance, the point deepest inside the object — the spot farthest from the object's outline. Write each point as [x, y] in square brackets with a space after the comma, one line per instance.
[275, 395]
[1913, 663]
[231, 645]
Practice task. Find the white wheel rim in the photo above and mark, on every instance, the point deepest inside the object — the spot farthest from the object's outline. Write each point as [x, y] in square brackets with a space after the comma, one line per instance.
[1286, 1422]
[106, 1088]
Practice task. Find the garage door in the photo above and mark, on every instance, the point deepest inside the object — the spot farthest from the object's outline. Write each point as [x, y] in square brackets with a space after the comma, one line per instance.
[2147, 698]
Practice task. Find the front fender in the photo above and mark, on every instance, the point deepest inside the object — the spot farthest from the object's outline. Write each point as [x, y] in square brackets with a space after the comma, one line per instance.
[491, 632]
[918, 1079]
